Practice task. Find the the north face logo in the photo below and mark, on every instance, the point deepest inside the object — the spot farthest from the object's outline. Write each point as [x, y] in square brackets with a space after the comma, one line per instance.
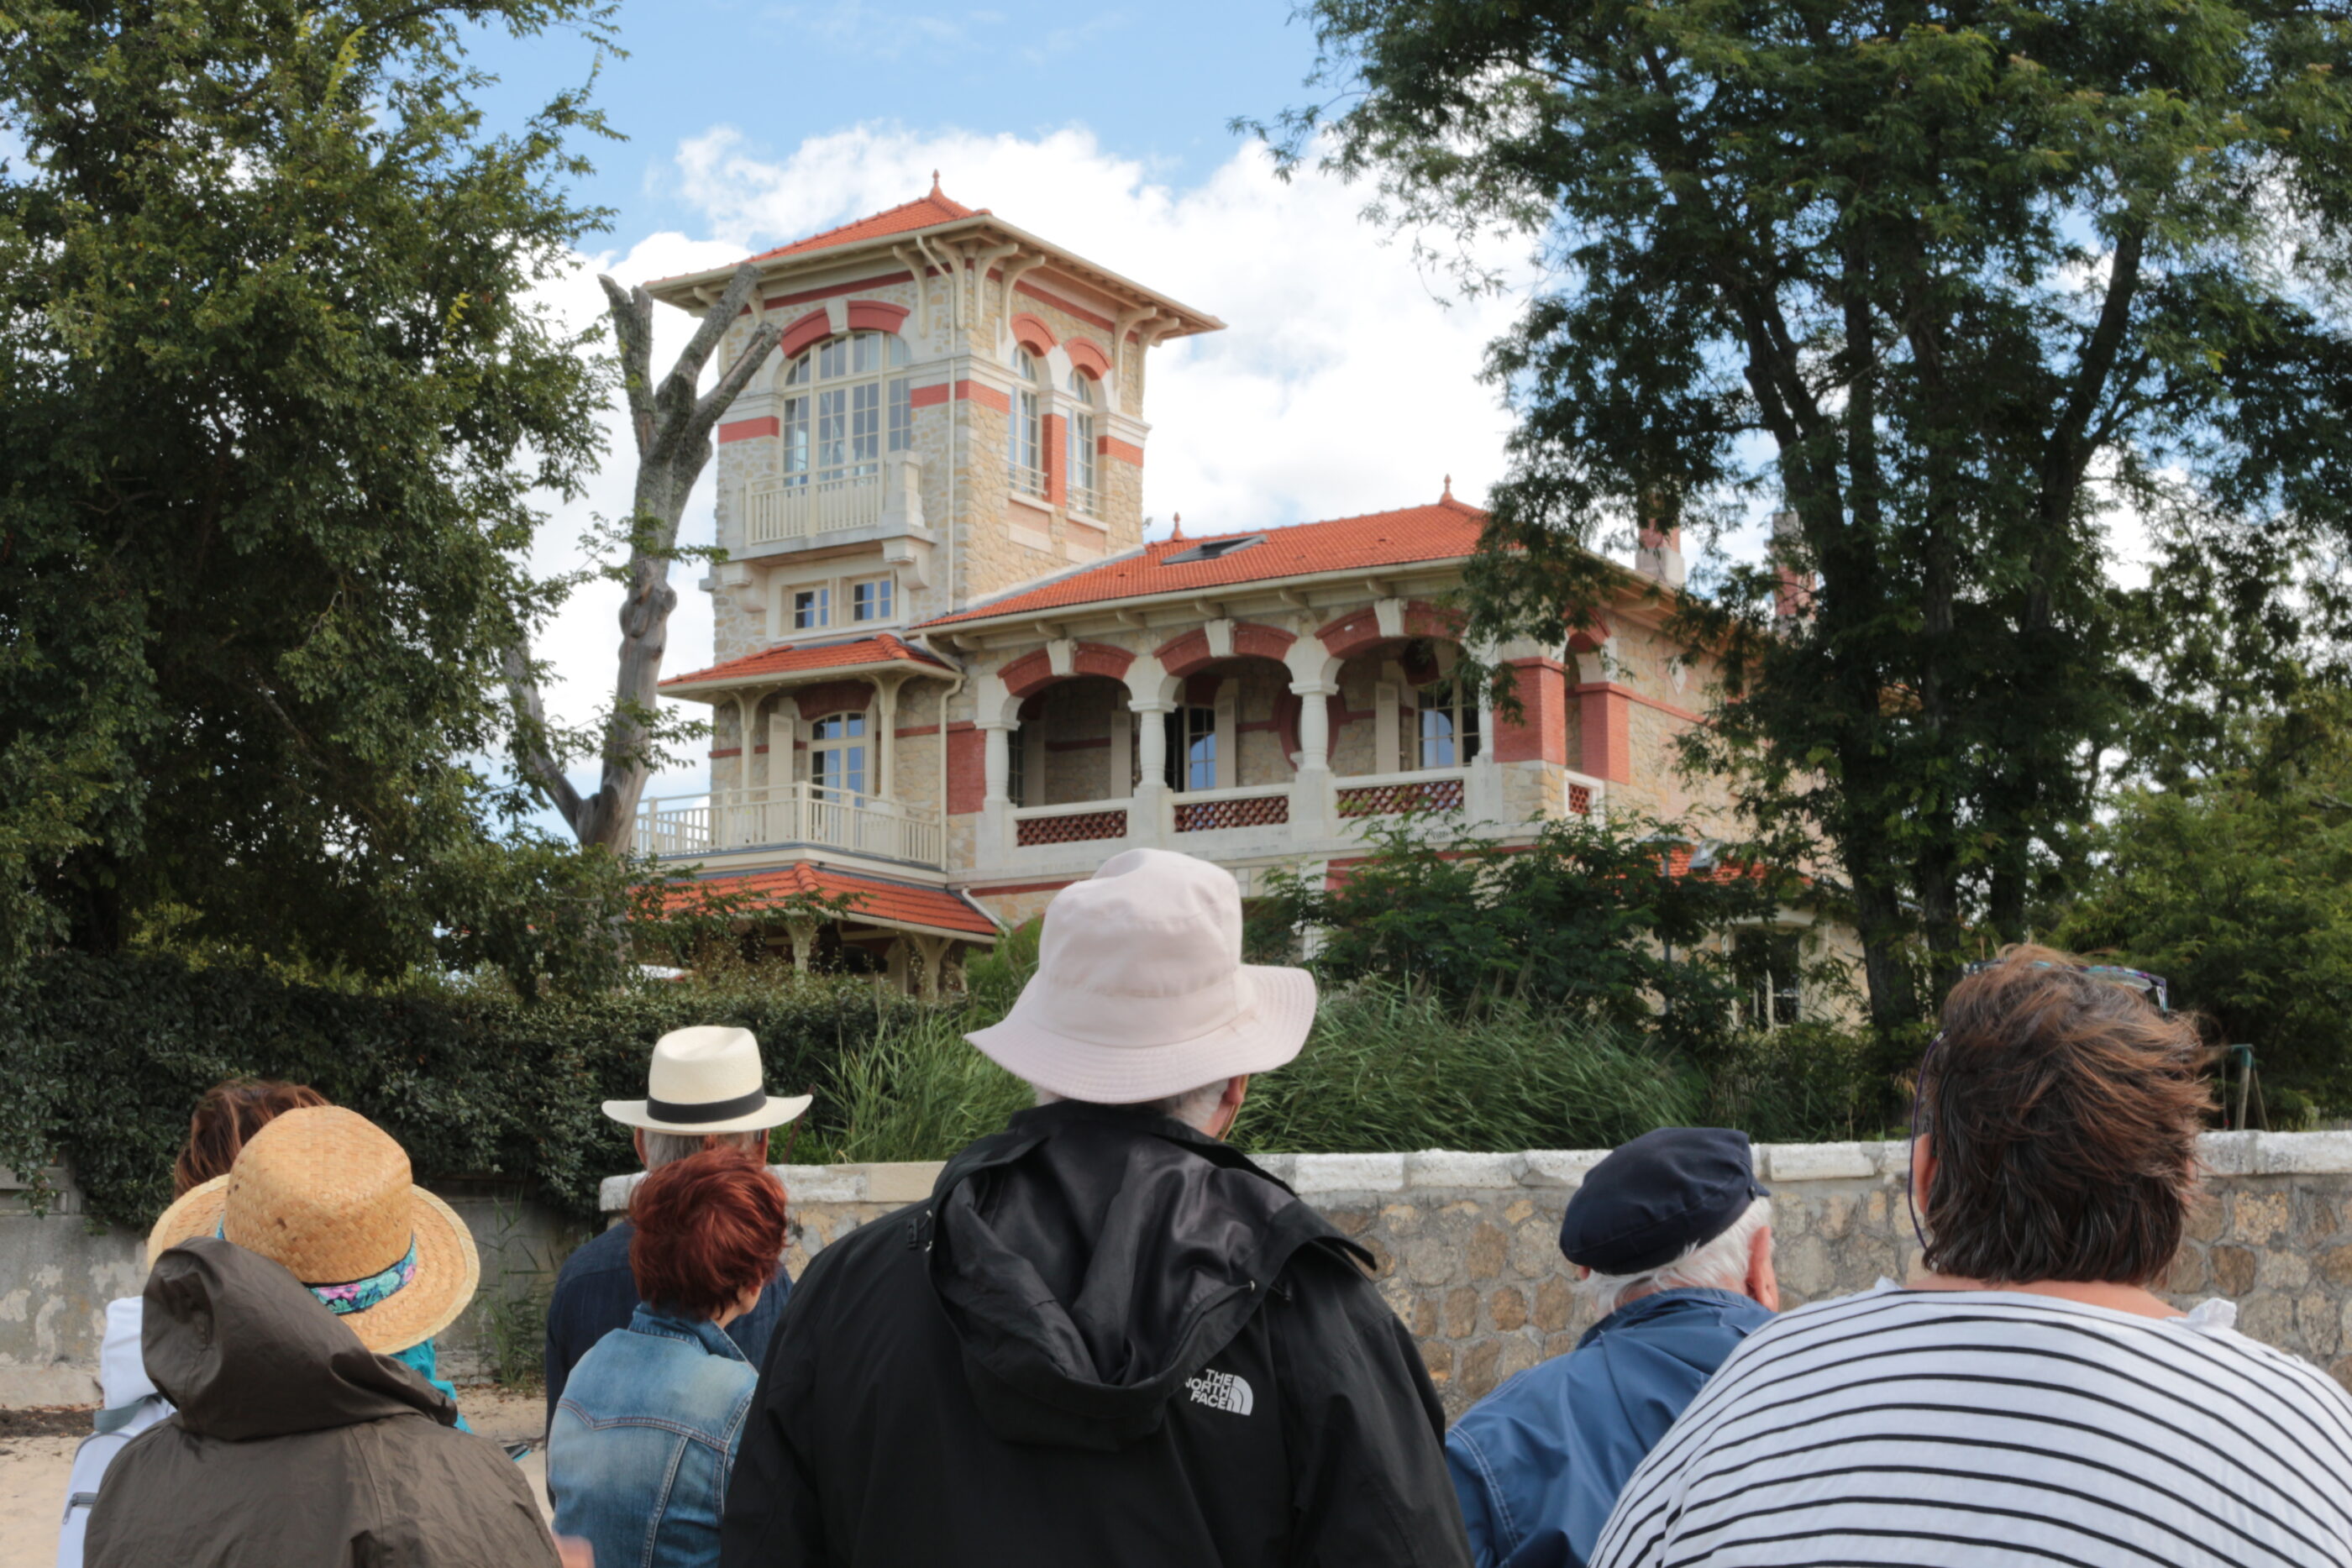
[1221, 1391]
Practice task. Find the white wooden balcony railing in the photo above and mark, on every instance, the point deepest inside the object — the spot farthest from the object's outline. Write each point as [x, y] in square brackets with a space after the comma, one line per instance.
[1027, 481]
[777, 510]
[689, 826]
[1081, 499]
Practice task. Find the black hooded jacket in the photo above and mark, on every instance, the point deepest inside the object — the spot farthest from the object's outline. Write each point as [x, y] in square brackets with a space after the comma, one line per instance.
[1106, 1338]
[294, 1445]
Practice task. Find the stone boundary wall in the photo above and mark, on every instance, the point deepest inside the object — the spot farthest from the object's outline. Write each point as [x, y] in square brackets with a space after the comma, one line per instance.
[1467, 1245]
[57, 1274]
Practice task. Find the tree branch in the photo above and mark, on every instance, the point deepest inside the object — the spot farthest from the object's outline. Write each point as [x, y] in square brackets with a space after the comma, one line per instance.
[530, 713]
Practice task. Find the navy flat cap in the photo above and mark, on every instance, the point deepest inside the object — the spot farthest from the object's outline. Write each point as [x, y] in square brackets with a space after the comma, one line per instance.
[1652, 1199]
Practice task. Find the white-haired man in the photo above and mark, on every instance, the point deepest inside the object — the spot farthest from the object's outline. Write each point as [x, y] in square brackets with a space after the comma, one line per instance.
[1672, 1240]
[1106, 1337]
[705, 1088]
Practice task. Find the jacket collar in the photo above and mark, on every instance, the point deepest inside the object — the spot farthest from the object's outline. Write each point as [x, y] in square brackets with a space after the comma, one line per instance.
[1661, 1304]
[664, 1324]
[1024, 1130]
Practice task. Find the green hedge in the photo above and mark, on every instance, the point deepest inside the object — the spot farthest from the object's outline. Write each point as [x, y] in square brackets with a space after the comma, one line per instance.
[101, 1061]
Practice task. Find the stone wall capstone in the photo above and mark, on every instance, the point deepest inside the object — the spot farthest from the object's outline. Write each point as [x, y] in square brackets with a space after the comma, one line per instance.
[1466, 1245]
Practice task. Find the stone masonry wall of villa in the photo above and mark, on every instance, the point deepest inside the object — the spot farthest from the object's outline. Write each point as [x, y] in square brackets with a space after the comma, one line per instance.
[1465, 1246]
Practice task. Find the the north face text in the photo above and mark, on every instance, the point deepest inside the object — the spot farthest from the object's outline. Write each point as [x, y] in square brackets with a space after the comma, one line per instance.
[1221, 1391]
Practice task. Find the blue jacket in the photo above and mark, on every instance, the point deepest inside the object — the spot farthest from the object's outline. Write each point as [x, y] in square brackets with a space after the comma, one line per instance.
[595, 1293]
[1538, 1463]
[644, 1442]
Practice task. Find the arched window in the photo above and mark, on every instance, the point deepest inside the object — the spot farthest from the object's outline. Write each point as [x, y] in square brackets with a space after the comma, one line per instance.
[843, 408]
[1026, 455]
[838, 756]
[1449, 726]
[1082, 445]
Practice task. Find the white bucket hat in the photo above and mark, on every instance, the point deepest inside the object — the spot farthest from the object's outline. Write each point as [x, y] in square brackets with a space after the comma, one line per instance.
[1141, 992]
[706, 1080]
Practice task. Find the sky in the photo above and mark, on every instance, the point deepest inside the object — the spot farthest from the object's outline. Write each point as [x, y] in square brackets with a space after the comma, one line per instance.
[1347, 380]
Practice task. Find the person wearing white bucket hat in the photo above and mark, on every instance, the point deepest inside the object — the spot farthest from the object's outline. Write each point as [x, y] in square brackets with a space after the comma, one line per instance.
[705, 1088]
[1106, 1336]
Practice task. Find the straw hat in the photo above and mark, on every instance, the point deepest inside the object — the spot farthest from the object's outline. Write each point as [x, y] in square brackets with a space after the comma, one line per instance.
[327, 1193]
[703, 1081]
[1141, 992]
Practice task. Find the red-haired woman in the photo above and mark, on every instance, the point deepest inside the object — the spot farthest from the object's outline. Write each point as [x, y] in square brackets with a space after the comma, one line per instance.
[645, 1439]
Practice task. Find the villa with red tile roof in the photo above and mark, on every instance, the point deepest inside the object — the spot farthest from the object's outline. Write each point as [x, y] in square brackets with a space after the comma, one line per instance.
[951, 676]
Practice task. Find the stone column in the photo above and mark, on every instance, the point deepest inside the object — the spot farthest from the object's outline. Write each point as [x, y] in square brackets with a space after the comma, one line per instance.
[1311, 789]
[993, 844]
[1151, 771]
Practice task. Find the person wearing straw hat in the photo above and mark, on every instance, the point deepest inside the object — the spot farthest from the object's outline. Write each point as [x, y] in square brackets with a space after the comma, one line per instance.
[1106, 1336]
[229, 1113]
[277, 1295]
[705, 1090]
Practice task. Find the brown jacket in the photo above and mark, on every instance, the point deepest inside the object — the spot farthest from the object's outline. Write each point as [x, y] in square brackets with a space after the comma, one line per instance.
[295, 1447]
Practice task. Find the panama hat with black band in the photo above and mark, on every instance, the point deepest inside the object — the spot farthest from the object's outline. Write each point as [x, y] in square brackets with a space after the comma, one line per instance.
[706, 1080]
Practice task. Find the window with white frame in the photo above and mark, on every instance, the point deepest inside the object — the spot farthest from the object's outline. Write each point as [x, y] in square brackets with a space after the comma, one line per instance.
[1025, 456]
[1082, 498]
[1768, 965]
[872, 599]
[812, 608]
[1191, 748]
[845, 408]
[838, 756]
[1448, 725]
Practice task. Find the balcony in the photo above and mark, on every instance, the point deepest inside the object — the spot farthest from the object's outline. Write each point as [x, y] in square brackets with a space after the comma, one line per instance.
[785, 816]
[1320, 814]
[831, 507]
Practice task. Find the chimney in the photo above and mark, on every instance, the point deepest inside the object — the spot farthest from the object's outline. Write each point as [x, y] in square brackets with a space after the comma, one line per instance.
[1794, 597]
[1658, 548]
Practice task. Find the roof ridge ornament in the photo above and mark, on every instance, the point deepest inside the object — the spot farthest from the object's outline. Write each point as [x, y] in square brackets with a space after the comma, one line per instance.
[936, 192]
[1177, 536]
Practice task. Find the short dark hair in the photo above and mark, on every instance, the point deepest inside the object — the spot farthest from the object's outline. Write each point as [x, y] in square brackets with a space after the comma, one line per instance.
[709, 1227]
[2063, 1112]
[227, 1116]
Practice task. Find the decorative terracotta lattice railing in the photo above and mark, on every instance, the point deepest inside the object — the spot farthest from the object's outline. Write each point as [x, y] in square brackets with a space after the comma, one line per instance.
[1248, 812]
[1075, 828]
[1383, 799]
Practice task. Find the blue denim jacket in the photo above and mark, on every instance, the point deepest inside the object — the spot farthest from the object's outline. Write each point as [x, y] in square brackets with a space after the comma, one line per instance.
[595, 1293]
[645, 1439]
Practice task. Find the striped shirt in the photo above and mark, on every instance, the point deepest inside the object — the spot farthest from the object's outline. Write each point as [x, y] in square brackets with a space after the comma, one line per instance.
[1919, 1427]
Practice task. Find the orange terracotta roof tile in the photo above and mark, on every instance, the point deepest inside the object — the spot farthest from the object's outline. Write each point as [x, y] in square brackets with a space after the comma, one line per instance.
[790, 660]
[1442, 530]
[872, 898]
[923, 213]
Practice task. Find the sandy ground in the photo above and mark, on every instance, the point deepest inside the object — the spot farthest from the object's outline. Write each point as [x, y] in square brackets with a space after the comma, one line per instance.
[36, 1453]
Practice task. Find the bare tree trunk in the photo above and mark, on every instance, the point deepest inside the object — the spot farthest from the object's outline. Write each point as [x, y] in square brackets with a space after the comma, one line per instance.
[672, 427]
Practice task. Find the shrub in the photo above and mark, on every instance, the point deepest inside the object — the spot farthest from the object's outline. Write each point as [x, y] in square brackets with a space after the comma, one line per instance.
[1389, 1069]
[102, 1058]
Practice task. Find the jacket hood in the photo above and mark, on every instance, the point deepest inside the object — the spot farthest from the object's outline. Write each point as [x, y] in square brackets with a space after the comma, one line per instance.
[244, 1351]
[1091, 1258]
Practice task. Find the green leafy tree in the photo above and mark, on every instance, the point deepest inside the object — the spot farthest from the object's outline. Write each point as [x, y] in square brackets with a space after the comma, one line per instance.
[2237, 887]
[275, 392]
[1950, 282]
[1616, 924]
